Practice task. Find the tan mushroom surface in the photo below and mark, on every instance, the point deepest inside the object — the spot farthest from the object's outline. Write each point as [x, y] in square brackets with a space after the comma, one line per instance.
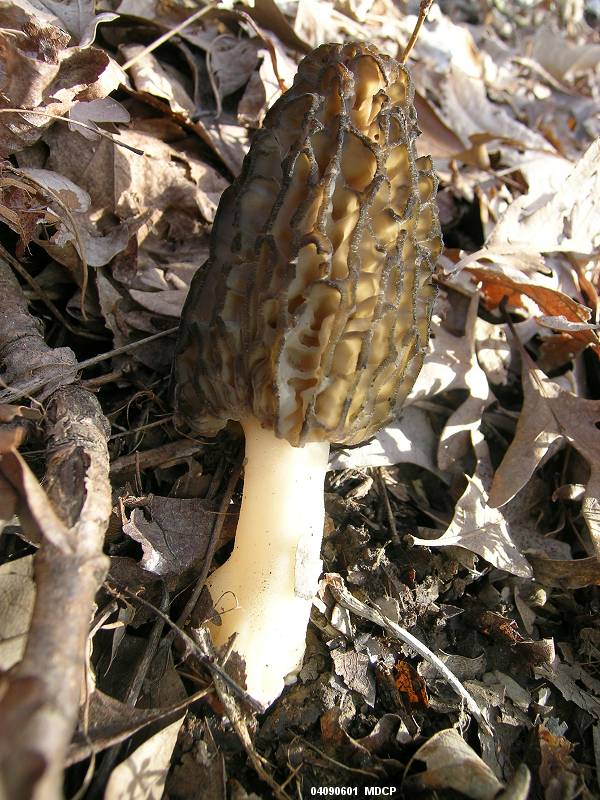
[308, 324]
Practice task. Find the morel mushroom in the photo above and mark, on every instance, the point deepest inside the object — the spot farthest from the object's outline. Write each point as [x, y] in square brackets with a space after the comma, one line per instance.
[308, 325]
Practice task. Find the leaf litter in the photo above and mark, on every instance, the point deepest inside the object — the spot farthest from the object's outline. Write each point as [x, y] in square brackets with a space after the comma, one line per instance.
[473, 522]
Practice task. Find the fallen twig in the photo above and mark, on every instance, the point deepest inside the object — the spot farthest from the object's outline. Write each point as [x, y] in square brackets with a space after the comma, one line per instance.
[347, 600]
[207, 660]
[236, 717]
[28, 387]
[424, 7]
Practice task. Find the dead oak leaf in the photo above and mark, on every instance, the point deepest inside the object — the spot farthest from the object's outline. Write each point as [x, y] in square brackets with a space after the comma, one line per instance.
[79, 19]
[451, 363]
[476, 525]
[481, 529]
[550, 418]
[151, 77]
[38, 518]
[559, 311]
[567, 221]
[43, 73]
[566, 574]
[496, 285]
[174, 533]
[452, 764]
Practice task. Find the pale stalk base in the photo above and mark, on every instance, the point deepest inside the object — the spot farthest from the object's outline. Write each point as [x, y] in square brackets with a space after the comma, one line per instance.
[264, 590]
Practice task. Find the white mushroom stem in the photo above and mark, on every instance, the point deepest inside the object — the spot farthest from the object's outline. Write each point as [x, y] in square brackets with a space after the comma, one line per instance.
[264, 590]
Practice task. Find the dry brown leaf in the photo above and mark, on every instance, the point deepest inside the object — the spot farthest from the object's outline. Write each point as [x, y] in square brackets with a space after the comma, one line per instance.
[355, 9]
[478, 527]
[90, 112]
[159, 285]
[79, 19]
[17, 593]
[452, 764]
[466, 110]
[452, 364]
[526, 523]
[230, 62]
[142, 775]
[74, 242]
[493, 350]
[43, 73]
[111, 722]
[574, 683]
[560, 57]
[572, 574]
[20, 207]
[443, 42]
[169, 302]
[559, 311]
[165, 180]
[230, 142]
[436, 137]
[38, 518]
[481, 529]
[568, 220]
[175, 534]
[550, 418]
[150, 76]
[264, 88]
[269, 16]
[47, 198]
[54, 185]
[31, 64]
[410, 440]
[317, 22]
[448, 359]
[355, 670]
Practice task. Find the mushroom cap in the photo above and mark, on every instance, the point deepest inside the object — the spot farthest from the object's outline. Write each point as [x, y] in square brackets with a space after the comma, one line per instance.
[312, 312]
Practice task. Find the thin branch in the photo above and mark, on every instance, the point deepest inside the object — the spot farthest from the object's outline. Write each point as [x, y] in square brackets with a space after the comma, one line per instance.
[208, 661]
[347, 600]
[74, 230]
[10, 395]
[388, 506]
[215, 537]
[424, 7]
[41, 294]
[169, 35]
[94, 128]
[102, 774]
